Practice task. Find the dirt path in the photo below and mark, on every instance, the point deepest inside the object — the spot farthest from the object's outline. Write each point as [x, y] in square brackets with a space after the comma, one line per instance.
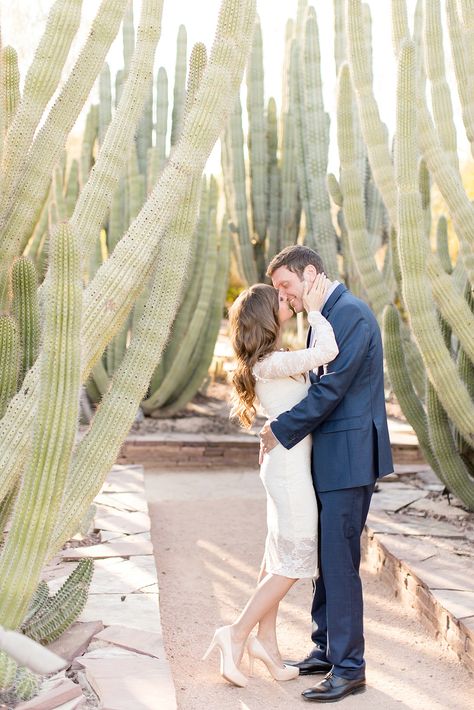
[208, 531]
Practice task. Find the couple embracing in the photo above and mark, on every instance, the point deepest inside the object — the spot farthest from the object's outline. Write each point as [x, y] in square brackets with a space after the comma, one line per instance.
[322, 449]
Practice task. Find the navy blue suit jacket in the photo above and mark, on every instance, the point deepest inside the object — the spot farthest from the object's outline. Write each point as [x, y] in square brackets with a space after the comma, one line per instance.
[345, 408]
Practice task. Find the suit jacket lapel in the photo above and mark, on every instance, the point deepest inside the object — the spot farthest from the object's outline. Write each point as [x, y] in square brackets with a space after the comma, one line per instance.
[333, 298]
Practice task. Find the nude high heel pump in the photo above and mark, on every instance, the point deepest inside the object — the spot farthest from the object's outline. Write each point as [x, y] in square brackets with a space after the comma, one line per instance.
[257, 651]
[223, 641]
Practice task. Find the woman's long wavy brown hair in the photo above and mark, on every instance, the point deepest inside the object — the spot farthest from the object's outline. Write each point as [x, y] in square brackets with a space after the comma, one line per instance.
[255, 329]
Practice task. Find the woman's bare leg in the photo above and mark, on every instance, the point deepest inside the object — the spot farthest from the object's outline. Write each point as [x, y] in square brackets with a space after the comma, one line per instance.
[266, 597]
[267, 626]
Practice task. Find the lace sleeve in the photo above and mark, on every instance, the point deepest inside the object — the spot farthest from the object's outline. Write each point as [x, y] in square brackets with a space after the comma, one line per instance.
[284, 364]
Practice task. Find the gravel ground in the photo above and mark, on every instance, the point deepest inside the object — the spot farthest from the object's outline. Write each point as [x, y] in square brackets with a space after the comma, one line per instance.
[208, 531]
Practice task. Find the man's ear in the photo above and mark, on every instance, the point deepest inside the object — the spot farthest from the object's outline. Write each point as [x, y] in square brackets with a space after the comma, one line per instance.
[309, 273]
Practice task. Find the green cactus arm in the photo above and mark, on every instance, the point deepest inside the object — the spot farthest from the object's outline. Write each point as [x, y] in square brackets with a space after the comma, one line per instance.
[274, 183]
[89, 136]
[274, 201]
[191, 287]
[93, 458]
[451, 305]
[6, 509]
[8, 668]
[38, 599]
[158, 152]
[116, 285]
[128, 37]
[202, 356]
[449, 182]
[58, 195]
[354, 213]
[256, 138]
[60, 610]
[417, 293]
[105, 101]
[41, 82]
[316, 147]
[10, 85]
[442, 244]
[296, 97]
[340, 50]
[457, 35]
[27, 195]
[456, 475]
[10, 358]
[424, 183]
[435, 70]
[179, 369]
[95, 196]
[72, 189]
[400, 29]
[234, 168]
[179, 90]
[373, 130]
[143, 138]
[400, 378]
[26, 684]
[39, 500]
[25, 308]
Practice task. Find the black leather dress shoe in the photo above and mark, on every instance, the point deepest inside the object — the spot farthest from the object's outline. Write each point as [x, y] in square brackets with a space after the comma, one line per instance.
[333, 688]
[311, 665]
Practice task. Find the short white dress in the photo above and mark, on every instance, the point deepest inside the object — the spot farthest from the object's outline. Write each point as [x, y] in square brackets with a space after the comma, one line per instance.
[281, 382]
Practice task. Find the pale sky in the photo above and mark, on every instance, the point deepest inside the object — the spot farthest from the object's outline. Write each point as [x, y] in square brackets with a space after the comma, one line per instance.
[22, 25]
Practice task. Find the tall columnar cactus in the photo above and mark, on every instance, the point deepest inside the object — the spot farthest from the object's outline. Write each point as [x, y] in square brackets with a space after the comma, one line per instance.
[428, 287]
[185, 340]
[43, 506]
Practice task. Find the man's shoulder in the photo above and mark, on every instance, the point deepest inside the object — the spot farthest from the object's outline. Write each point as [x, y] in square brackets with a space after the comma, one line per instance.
[350, 306]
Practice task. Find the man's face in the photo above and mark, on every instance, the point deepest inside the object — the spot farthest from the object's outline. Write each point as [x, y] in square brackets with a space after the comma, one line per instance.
[290, 286]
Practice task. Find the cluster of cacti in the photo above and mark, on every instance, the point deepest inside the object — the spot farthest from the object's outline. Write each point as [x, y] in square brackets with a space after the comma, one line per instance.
[430, 348]
[287, 164]
[54, 476]
[48, 616]
[17, 683]
[144, 163]
[46, 619]
[434, 383]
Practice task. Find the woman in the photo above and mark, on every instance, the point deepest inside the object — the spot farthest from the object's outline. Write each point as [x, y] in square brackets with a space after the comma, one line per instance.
[277, 378]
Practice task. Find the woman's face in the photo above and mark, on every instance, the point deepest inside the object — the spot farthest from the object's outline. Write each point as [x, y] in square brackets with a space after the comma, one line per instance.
[284, 310]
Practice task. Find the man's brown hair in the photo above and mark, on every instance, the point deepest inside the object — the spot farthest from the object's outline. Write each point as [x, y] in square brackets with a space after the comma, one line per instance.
[296, 258]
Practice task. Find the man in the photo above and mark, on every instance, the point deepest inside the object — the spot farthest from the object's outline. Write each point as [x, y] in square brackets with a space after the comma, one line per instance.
[345, 413]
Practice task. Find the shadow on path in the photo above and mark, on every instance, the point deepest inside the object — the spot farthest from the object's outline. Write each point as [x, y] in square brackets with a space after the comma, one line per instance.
[208, 532]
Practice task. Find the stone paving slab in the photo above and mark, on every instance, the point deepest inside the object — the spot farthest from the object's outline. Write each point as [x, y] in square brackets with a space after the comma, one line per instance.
[123, 500]
[394, 497]
[131, 683]
[64, 691]
[122, 608]
[428, 562]
[459, 602]
[447, 572]
[115, 548]
[75, 640]
[134, 640]
[121, 521]
[399, 524]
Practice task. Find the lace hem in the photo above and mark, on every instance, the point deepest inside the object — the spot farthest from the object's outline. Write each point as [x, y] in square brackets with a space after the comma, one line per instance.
[291, 558]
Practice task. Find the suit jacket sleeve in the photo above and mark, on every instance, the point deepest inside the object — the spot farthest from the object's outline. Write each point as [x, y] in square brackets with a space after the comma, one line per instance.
[353, 337]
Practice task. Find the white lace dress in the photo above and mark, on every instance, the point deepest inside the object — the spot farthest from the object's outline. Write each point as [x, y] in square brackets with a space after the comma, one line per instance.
[291, 544]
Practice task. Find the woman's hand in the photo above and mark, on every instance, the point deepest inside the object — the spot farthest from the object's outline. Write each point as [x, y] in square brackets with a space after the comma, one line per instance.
[314, 295]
